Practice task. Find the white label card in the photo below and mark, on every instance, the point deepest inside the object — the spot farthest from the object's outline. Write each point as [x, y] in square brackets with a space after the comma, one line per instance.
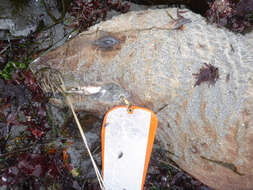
[126, 141]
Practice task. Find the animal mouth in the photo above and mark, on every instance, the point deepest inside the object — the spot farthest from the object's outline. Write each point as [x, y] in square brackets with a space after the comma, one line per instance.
[110, 92]
[85, 90]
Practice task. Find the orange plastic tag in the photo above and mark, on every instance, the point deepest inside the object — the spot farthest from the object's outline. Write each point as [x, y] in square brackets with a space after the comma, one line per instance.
[127, 139]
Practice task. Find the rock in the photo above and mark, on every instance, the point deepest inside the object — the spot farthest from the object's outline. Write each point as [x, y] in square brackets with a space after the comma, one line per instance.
[205, 111]
[19, 19]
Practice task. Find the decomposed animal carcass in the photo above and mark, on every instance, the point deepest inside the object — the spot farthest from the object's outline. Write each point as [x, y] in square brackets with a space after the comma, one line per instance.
[154, 61]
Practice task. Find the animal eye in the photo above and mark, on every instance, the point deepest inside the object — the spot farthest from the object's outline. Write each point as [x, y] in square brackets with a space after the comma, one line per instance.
[106, 42]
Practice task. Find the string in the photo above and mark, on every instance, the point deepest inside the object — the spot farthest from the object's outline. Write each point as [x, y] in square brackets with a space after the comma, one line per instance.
[52, 81]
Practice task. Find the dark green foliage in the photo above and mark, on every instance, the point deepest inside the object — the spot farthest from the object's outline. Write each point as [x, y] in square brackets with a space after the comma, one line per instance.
[10, 67]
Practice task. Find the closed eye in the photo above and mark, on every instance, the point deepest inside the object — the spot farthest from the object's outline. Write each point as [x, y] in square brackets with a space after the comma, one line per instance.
[106, 42]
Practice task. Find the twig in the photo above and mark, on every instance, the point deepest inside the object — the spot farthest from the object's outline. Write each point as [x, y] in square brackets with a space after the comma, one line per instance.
[168, 163]
[56, 20]
[4, 49]
[51, 80]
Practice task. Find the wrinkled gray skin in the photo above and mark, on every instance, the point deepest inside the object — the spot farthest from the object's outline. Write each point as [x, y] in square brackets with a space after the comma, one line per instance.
[143, 57]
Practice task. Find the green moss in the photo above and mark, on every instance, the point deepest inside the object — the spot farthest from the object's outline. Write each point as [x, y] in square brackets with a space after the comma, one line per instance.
[10, 67]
